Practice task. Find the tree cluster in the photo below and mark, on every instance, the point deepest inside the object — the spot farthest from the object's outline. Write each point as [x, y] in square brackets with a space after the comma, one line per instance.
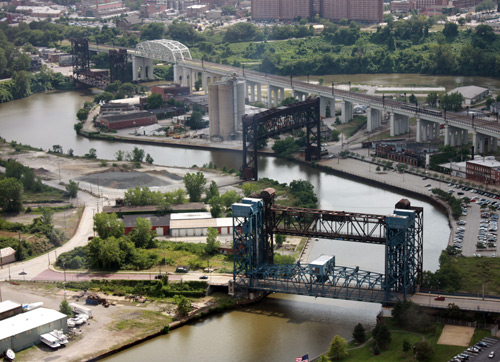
[411, 316]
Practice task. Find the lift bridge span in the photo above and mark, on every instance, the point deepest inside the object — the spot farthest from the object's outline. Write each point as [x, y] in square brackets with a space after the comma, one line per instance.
[257, 219]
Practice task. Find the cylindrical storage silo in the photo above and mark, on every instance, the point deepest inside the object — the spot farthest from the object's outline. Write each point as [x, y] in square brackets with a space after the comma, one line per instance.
[213, 110]
[226, 123]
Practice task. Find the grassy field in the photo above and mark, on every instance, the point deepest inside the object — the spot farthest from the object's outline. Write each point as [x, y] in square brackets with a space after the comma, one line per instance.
[394, 352]
[349, 128]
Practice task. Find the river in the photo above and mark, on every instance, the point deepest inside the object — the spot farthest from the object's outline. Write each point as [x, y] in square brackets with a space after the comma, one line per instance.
[281, 327]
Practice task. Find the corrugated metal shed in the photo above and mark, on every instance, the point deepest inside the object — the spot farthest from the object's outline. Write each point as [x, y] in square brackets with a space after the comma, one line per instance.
[190, 216]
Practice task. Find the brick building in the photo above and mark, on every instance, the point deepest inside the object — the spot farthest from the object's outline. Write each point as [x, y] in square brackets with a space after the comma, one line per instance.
[127, 120]
[370, 11]
[169, 91]
[485, 170]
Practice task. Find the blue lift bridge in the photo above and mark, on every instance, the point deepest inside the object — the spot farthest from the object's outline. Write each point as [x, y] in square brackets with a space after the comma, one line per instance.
[256, 219]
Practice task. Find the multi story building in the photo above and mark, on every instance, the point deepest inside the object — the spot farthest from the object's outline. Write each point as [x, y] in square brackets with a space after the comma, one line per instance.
[485, 170]
[358, 10]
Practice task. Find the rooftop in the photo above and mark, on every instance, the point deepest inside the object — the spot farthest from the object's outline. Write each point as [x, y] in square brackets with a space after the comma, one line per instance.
[5, 252]
[470, 91]
[8, 305]
[191, 216]
[26, 321]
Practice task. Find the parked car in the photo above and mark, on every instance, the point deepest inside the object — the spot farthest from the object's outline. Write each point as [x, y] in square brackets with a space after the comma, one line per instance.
[439, 297]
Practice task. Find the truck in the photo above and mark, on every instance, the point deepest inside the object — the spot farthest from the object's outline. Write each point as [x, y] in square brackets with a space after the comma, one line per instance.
[80, 309]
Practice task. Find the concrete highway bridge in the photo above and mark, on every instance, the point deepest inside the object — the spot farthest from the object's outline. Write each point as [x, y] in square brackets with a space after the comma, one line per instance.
[456, 127]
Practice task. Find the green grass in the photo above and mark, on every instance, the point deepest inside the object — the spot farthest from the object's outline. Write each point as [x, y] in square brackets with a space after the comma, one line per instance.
[394, 352]
[146, 320]
[473, 271]
[351, 127]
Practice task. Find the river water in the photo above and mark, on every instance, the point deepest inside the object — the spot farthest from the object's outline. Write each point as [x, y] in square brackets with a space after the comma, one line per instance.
[283, 326]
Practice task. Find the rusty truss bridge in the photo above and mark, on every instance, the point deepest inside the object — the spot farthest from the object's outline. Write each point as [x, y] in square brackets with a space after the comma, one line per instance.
[261, 126]
[256, 219]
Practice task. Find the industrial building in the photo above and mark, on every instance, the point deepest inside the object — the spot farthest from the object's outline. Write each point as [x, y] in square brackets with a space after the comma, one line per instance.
[472, 94]
[483, 169]
[9, 309]
[23, 330]
[226, 104]
[160, 224]
[171, 90]
[127, 120]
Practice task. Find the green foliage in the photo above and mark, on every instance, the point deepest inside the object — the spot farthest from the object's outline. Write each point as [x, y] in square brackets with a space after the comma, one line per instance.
[108, 225]
[230, 197]
[216, 207]
[338, 349]
[212, 191]
[142, 235]
[423, 351]
[194, 183]
[382, 335]
[456, 208]
[212, 243]
[92, 154]
[250, 188]
[411, 316]
[143, 197]
[303, 192]
[78, 127]
[154, 101]
[359, 333]
[82, 114]
[65, 308]
[183, 305]
[283, 259]
[286, 147]
[196, 120]
[280, 239]
[11, 194]
[72, 188]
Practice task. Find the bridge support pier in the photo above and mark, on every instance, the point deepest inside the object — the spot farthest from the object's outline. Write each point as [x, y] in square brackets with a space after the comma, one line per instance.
[400, 124]
[346, 112]
[324, 102]
[301, 96]
[446, 135]
[142, 68]
[373, 119]
[420, 130]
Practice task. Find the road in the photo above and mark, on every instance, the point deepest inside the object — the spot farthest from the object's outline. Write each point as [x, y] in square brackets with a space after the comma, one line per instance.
[464, 303]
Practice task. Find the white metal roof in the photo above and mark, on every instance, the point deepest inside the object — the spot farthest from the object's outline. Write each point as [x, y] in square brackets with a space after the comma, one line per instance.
[322, 260]
[5, 252]
[26, 321]
[470, 91]
[193, 224]
[224, 221]
[8, 305]
[190, 216]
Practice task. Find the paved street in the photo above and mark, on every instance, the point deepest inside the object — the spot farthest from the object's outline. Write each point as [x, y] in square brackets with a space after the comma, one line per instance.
[464, 303]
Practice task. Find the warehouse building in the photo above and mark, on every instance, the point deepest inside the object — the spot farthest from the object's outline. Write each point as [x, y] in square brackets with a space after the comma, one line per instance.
[24, 330]
[9, 309]
[128, 120]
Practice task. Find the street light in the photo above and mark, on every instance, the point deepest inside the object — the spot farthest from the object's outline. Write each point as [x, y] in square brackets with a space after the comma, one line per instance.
[291, 80]
[333, 89]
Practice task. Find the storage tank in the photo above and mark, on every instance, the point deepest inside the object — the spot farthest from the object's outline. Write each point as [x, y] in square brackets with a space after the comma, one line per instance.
[226, 110]
[213, 107]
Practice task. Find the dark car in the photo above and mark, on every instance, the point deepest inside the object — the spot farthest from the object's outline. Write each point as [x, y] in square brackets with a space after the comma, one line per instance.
[203, 277]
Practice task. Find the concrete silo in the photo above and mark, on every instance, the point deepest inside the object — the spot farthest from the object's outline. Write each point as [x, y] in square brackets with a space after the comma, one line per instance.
[226, 107]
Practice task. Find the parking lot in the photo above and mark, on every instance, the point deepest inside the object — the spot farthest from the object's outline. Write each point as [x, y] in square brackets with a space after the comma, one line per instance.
[475, 233]
[488, 349]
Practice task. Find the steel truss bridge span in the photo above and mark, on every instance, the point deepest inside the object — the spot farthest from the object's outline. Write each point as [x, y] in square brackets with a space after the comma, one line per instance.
[255, 220]
[365, 228]
[275, 121]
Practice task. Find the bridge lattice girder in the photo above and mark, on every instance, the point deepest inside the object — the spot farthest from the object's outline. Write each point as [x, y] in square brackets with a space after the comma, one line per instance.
[342, 283]
[366, 228]
[261, 126]
[163, 49]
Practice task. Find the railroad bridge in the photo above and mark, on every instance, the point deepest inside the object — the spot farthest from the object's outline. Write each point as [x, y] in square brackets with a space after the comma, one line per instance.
[257, 219]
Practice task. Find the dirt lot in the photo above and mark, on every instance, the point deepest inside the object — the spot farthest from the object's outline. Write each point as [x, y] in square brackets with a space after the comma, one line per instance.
[456, 335]
[123, 322]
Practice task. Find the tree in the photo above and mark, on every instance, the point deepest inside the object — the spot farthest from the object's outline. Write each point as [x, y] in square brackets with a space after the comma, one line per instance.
[450, 29]
[432, 99]
[406, 347]
[229, 197]
[195, 121]
[212, 191]
[250, 188]
[119, 155]
[338, 349]
[183, 305]
[423, 351]
[11, 194]
[78, 127]
[72, 188]
[280, 239]
[359, 334]
[413, 99]
[92, 154]
[142, 235]
[216, 207]
[137, 155]
[212, 242]
[149, 159]
[108, 225]
[64, 308]
[82, 114]
[194, 183]
[154, 101]
[382, 335]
